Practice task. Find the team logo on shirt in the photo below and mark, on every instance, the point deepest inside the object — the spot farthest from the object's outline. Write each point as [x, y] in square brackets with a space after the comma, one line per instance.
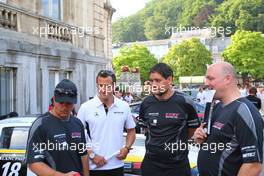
[154, 122]
[153, 114]
[119, 113]
[61, 141]
[96, 114]
[76, 135]
[172, 115]
[218, 125]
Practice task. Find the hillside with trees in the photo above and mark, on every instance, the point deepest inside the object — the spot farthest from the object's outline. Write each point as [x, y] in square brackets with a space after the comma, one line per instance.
[158, 17]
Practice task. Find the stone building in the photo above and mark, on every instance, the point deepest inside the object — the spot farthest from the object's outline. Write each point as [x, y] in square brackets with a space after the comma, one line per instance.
[44, 41]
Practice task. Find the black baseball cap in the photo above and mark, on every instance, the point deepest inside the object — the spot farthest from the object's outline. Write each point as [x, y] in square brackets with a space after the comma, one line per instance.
[66, 92]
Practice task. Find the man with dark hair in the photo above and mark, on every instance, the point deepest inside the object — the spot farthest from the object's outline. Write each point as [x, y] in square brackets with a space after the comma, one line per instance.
[105, 118]
[236, 129]
[171, 119]
[56, 141]
[252, 97]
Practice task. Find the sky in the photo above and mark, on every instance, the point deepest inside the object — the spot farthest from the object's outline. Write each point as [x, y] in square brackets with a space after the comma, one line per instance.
[126, 7]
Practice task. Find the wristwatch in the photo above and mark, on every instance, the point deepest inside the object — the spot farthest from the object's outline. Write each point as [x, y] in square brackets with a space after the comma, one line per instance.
[92, 155]
[128, 148]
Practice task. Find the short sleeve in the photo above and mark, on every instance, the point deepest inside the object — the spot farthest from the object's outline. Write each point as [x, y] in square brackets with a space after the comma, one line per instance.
[130, 123]
[193, 120]
[142, 111]
[249, 135]
[36, 145]
[81, 115]
[83, 149]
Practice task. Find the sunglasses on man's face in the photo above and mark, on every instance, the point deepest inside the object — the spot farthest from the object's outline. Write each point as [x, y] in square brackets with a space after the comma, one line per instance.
[60, 91]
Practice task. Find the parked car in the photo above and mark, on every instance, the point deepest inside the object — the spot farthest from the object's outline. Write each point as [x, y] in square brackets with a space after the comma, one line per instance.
[13, 141]
[136, 155]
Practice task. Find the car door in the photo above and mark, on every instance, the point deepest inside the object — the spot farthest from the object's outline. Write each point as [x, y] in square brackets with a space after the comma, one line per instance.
[13, 141]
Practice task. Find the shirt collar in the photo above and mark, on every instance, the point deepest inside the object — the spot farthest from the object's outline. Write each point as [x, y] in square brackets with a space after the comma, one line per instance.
[99, 103]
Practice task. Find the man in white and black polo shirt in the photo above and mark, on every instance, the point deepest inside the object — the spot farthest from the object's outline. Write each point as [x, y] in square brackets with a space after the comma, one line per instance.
[171, 119]
[105, 118]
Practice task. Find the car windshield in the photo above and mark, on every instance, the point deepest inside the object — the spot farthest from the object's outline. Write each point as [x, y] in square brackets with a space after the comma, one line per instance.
[14, 138]
[139, 142]
[200, 108]
[135, 108]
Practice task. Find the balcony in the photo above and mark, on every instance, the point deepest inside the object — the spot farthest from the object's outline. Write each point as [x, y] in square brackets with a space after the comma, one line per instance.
[46, 27]
[57, 31]
[8, 19]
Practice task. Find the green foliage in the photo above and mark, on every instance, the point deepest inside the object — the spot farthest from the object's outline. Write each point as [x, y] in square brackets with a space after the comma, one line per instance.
[160, 13]
[240, 15]
[150, 23]
[246, 53]
[135, 56]
[188, 58]
[129, 29]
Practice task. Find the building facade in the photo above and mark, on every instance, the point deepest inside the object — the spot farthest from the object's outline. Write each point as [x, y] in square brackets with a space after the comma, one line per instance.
[44, 41]
[159, 48]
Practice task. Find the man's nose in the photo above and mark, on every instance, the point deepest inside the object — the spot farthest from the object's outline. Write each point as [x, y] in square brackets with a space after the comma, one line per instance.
[206, 83]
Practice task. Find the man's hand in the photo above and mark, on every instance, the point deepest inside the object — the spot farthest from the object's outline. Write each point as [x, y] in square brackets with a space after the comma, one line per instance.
[72, 173]
[199, 134]
[123, 153]
[99, 161]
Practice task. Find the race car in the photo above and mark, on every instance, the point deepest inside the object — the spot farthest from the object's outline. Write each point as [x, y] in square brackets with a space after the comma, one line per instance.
[135, 157]
[13, 141]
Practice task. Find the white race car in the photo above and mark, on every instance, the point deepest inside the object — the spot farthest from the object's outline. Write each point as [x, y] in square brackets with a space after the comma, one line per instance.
[13, 141]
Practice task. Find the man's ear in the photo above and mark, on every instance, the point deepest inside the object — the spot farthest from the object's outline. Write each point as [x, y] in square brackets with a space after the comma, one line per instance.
[170, 79]
[229, 78]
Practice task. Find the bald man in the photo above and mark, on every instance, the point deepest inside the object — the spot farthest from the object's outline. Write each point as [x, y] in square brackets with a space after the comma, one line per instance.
[235, 145]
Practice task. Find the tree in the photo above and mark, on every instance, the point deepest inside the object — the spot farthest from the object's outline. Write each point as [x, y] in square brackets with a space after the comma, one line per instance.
[240, 15]
[151, 22]
[129, 29]
[135, 56]
[164, 13]
[188, 58]
[246, 53]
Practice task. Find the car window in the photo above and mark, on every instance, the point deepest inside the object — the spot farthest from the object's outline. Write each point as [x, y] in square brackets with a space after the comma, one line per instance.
[14, 138]
[200, 108]
[139, 142]
[135, 108]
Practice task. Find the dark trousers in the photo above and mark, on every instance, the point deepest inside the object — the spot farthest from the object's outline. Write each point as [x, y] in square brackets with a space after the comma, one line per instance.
[155, 168]
[112, 172]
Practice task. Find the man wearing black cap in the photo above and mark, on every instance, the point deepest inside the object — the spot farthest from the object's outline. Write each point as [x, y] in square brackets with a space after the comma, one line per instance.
[56, 142]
